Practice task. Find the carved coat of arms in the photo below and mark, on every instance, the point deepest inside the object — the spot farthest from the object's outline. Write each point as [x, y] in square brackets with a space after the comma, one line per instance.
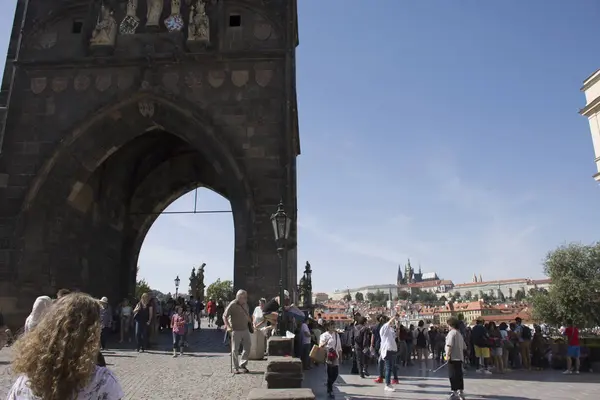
[263, 76]
[38, 84]
[81, 82]
[216, 78]
[103, 82]
[239, 78]
[146, 108]
[59, 84]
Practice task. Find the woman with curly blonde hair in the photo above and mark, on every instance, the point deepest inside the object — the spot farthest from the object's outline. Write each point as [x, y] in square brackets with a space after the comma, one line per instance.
[57, 360]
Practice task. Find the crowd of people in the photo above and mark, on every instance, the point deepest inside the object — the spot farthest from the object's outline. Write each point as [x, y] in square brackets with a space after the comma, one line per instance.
[58, 352]
[486, 347]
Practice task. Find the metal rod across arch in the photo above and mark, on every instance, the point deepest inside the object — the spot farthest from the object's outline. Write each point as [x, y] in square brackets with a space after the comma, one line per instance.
[195, 211]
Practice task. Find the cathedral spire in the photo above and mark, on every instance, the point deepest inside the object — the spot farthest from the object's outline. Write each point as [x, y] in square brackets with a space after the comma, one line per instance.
[399, 277]
[474, 278]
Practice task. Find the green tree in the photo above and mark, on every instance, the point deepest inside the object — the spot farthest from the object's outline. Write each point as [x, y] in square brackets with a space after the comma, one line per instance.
[443, 299]
[475, 297]
[456, 295]
[359, 297]
[501, 296]
[468, 295]
[481, 294]
[220, 290]
[370, 297]
[575, 273]
[520, 295]
[141, 287]
[403, 295]
[348, 297]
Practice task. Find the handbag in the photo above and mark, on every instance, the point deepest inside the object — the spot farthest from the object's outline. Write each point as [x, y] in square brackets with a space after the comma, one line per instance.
[250, 324]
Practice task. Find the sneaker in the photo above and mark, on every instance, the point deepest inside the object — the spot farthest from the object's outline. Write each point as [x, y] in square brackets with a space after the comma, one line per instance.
[395, 381]
[568, 372]
[479, 371]
[487, 372]
[461, 394]
[452, 396]
[389, 389]
[577, 372]
[378, 380]
[244, 370]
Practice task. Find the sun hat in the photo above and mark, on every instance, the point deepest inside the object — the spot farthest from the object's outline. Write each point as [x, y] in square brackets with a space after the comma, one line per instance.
[104, 300]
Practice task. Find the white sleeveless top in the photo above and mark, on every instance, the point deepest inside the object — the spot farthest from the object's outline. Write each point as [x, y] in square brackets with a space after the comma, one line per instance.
[103, 386]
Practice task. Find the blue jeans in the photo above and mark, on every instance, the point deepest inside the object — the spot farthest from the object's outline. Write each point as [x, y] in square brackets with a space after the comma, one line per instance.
[390, 367]
[177, 339]
[141, 335]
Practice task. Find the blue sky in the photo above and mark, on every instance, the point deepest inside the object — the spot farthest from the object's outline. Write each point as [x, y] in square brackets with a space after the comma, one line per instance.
[443, 131]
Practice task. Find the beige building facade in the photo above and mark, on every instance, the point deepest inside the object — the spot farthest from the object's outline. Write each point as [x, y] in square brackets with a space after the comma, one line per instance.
[591, 89]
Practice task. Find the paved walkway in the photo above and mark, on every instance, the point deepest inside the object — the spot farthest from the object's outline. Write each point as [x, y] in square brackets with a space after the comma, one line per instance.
[203, 373]
[416, 385]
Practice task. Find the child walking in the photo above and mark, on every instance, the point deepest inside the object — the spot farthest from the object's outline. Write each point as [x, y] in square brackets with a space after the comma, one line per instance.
[455, 348]
[178, 325]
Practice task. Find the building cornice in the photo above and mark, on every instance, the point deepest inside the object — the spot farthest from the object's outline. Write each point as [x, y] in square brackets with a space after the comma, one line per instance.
[591, 80]
[591, 108]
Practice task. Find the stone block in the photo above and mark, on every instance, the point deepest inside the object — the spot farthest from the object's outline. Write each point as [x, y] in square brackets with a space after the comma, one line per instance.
[279, 346]
[288, 365]
[281, 394]
[278, 380]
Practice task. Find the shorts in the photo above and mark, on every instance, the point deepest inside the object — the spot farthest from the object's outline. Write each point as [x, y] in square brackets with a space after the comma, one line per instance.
[482, 352]
[496, 352]
[574, 351]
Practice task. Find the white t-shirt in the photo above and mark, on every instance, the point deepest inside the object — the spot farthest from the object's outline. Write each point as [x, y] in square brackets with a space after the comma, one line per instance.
[258, 315]
[330, 340]
[388, 340]
[306, 339]
[103, 386]
[126, 311]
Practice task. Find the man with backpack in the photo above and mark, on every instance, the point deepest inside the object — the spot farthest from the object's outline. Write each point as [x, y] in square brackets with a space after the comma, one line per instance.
[422, 344]
[361, 342]
[524, 334]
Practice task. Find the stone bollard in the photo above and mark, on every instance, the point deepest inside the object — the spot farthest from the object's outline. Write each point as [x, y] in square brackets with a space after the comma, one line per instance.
[284, 373]
[280, 346]
[281, 394]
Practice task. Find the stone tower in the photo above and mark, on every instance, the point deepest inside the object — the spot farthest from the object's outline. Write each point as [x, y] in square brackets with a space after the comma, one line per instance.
[111, 111]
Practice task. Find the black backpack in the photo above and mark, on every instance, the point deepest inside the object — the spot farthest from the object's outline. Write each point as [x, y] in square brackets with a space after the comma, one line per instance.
[421, 339]
[526, 334]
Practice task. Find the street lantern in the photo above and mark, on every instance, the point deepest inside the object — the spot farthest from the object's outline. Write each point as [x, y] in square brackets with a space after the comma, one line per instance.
[281, 226]
[177, 280]
[281, 229]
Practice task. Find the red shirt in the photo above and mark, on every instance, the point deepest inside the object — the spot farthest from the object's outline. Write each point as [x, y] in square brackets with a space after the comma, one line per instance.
[573, 334]
[210, 307]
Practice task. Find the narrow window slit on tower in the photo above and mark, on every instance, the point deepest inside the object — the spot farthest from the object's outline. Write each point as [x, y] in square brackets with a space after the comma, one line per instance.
[77, 27]
[235, 20]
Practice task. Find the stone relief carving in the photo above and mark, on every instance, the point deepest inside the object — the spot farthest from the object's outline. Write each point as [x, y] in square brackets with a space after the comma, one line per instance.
[262, 30]
[199, 25]
[105, 32]
[155, 8]
[81, 82]
[131, 21]
[103, 82]
[59, 84]
[239, 78]
[146, 108]
[174, 22]
[47, 40]
[216, 78]
[38, 84]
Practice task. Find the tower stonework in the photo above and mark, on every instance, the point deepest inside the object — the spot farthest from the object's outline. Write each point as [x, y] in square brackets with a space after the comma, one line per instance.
[111, 111]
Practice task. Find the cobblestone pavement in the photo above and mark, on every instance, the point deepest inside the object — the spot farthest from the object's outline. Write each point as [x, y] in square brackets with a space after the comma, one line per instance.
[203, 373]
[417, 385]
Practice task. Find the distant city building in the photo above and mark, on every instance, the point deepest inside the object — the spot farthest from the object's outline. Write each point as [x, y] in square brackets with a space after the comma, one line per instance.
[386, 289]
[591, 89]
[320, 298]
